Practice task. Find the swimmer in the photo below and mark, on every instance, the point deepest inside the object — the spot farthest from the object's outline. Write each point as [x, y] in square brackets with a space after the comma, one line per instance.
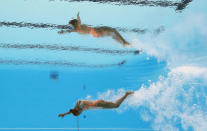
[96, 31]
[86, 104]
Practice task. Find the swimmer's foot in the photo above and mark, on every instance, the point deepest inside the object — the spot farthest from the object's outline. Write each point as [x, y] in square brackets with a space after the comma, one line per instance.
[127, 45]
[129, 92]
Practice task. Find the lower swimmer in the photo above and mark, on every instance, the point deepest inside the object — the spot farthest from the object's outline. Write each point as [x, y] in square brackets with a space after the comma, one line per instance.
[82, 105]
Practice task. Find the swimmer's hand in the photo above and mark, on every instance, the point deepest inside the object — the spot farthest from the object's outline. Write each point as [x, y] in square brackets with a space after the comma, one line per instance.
[61, 115]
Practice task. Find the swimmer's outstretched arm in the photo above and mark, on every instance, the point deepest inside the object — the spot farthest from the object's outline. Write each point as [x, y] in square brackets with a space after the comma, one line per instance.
[75, 108]
[79, 20]
[63, 114]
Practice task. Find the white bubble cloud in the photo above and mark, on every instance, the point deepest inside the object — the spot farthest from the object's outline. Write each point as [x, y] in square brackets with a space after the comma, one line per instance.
[184, 43]
[179, 100]
[171, 100]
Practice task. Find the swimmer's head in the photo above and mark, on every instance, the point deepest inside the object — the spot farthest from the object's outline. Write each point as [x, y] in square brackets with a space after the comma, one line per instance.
[74, 112]
[74, 22]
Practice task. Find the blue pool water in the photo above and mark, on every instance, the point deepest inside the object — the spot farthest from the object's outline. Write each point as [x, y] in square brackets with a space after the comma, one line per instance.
[168, 76]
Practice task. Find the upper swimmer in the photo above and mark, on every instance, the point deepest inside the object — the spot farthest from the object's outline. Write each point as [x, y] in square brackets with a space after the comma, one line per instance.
[86, 104]
[96, 31]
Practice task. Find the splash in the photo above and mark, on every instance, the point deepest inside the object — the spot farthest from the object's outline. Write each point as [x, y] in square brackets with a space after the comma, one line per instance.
[180, 98]
[177, 101]
[178, 45]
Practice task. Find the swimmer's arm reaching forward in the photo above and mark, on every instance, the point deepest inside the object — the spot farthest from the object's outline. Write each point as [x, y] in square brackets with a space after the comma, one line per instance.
[63, 114]
[69, 31]
[75, 110]
[79, 21]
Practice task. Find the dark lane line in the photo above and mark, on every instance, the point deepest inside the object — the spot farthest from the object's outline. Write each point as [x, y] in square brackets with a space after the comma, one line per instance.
[179, 6]
[59, 63]
[68, 27]
[68, 48]
[34, 25]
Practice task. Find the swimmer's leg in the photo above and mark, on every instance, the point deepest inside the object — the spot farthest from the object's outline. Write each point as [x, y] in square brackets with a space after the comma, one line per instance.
[119, 101]
[109, 105]
[119, 38]
[108, 31]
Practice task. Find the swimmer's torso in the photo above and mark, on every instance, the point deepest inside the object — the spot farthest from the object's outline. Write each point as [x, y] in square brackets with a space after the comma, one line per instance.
[85, 104]
[84, 29]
